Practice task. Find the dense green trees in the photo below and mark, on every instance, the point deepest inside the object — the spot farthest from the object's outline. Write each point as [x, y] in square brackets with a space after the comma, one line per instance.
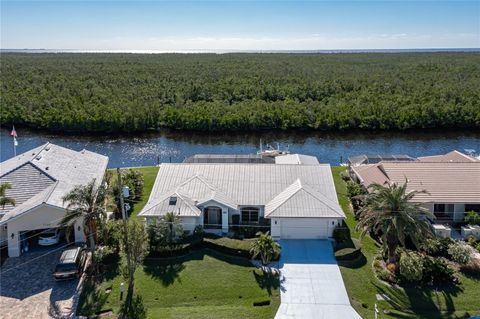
[133, 92]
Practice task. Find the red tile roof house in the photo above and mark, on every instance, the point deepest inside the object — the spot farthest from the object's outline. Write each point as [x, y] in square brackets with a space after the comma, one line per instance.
[451, 180]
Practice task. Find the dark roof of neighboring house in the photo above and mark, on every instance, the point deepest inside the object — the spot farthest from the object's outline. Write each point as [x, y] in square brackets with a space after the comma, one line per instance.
[373, 159]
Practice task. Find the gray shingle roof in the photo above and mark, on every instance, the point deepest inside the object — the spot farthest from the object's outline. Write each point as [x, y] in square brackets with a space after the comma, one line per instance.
[50, 170]
[244, 185]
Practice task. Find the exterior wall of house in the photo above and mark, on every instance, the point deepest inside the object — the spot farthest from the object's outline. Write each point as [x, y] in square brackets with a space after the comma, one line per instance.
[458, 212]
[225, 213]
[188, 223]
[3, 235]
[303, 227]
[41, 217]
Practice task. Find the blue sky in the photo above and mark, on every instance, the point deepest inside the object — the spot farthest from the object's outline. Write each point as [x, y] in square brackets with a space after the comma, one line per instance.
[239, 25]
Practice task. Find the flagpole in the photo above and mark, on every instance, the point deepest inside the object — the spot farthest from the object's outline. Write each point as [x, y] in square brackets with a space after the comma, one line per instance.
[15, 143]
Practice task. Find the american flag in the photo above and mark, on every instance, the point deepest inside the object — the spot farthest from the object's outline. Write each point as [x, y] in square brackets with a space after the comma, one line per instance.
[14, 133]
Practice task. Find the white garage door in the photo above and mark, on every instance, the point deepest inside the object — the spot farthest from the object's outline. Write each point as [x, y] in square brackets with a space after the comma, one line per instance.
[304, 228]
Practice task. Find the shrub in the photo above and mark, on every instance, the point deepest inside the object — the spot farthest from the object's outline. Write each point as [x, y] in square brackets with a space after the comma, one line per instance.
[437, 247]
[198, 230]
[391, 267]
[471, 268]
[411, 266]
[460, 252]
[134, 179]
[437, 271]
[478, 247]
[344, 175]
[354, 189]
[341, 233]
[472, 218]
[471, 240]
[385, 275]
[229, 246]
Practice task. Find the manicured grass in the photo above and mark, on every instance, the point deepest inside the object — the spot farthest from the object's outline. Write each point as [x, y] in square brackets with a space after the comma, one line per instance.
[204, 285]
[362, 285]
[149, 176]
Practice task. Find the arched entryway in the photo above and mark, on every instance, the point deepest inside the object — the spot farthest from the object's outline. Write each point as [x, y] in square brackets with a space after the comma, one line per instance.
[212, 217]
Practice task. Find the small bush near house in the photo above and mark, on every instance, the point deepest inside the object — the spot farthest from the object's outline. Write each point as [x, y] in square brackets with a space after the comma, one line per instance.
[437, 247]
[354, 189]
[471, 240]
[460, 252]
[472, 218]
[437, 271]
[341, 233]
[411, 266]
[386, 275]
[472, 268]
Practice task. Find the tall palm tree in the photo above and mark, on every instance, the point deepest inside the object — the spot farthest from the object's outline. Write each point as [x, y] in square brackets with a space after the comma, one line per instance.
[390, 213]
[86, 202]
[174, 225]
[5, 200]
[265, 247]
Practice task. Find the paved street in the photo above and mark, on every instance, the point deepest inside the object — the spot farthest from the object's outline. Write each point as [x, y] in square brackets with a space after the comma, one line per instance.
[29, 290]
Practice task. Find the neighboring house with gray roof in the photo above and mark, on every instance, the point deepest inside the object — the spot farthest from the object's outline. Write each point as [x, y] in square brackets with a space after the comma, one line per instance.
[296, 201]
[40, 178]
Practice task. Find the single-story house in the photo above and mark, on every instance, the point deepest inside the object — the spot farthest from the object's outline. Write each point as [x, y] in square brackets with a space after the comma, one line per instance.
[453, 187]
[40, 178]
[295, 200]
[453, 156]
[374, 159]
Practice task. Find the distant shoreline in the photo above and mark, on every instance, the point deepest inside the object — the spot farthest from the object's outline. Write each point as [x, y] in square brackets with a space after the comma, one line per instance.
[208, 51]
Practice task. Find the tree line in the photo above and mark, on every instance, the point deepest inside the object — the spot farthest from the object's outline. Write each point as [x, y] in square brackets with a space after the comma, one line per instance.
[109, 93]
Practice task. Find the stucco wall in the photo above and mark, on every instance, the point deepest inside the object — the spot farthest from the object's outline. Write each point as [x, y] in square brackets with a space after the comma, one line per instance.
[41, 217]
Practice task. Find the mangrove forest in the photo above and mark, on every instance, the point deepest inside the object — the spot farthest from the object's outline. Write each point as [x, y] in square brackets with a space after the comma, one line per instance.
[114, 93]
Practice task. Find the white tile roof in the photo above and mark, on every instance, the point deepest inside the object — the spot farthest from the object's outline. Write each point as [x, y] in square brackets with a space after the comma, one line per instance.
[51, 167]
[296, 159]
[298, 200]
[245, 185]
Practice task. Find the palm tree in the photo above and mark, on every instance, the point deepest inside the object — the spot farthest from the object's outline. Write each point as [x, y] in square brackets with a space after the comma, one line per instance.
[389, 212]
[86, 202]
[174, 225]
[266, 247]
[5, 200]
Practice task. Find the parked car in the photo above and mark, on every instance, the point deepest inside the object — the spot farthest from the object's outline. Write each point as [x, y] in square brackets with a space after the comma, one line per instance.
[70, 264]
[50, 237]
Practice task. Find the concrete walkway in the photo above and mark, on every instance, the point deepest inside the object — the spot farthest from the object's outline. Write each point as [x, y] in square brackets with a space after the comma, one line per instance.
[311, 282]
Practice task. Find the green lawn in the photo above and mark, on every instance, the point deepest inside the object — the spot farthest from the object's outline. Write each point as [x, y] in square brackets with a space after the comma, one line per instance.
[204, 285]
[362, 286]
[149, 175]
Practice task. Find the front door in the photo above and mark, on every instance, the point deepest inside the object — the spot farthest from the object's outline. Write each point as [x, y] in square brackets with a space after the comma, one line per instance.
[214, 217]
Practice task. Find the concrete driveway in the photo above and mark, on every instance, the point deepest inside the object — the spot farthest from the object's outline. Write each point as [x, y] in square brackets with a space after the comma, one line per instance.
[311, 282]
[28, 290]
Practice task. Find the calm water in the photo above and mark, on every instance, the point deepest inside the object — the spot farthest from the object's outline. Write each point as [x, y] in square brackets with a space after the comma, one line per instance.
[175, 146]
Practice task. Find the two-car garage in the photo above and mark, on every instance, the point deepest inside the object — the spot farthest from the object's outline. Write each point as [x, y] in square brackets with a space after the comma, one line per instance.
[303, 228]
